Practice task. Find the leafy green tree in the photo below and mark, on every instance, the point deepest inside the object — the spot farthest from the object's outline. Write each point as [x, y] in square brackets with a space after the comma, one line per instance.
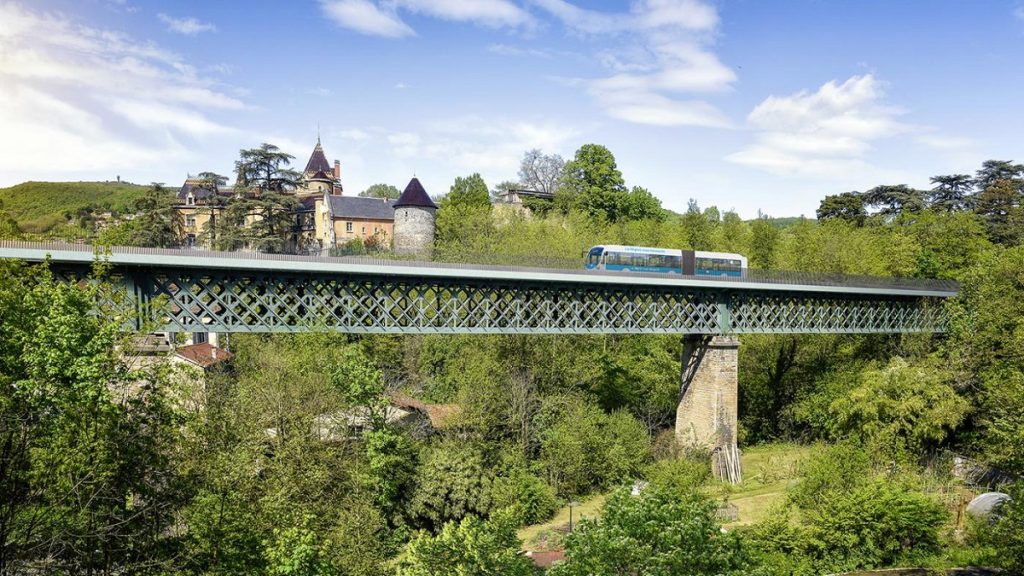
[297, 551]
[381, 191]
[265, 169]
[640, 204]
[470, 546]
[951, 193]
[264, 223]
[698, 228]
[452, 482]
[528, 498]
[591, 183]
[158, 223]
[891, 200]
[464, 220]
[993, 171]
[1001, 205]
[541, 172]
[86, 484]
[656, 534]
[468, 191]
[764, 244]
[584, 448]
[848, 206]
[900, 407]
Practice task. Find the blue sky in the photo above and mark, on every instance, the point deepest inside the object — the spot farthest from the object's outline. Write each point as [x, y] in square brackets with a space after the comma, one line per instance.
[744, 104]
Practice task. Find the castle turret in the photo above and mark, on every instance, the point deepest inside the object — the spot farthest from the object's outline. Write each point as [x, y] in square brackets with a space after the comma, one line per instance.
[414, 221]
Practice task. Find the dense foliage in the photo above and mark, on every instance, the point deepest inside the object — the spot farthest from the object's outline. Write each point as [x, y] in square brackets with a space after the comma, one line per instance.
[335, 455]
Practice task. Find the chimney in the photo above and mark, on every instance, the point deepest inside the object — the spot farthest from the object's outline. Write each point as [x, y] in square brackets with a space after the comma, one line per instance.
[337, 170]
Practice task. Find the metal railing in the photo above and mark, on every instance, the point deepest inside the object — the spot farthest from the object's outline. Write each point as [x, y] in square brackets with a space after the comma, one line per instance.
[510, 263]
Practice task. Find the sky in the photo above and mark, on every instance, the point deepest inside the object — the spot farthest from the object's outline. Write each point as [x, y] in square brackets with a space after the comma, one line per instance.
[747, 105]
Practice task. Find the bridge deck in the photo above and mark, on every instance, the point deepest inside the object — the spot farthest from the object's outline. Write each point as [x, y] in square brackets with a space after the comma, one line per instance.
[246, 292]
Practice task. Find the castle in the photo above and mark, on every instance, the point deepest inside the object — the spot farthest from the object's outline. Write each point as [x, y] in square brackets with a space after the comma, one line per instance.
[325, 219]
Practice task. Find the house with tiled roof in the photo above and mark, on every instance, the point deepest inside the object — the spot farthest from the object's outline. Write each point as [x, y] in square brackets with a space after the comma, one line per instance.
[320, 177]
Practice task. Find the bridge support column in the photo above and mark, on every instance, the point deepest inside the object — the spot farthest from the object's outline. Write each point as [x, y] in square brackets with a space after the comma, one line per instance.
[707, 414]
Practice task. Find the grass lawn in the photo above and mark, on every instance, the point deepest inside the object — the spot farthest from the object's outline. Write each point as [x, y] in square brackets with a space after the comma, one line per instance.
[767, 471]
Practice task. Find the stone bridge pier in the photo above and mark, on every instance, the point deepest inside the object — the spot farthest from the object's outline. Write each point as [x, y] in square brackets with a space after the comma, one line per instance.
[706, 418]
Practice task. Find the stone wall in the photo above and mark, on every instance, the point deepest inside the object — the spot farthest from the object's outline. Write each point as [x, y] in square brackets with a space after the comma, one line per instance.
[414, 231]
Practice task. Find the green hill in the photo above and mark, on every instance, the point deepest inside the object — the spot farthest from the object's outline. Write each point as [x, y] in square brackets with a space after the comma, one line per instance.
[41, 206]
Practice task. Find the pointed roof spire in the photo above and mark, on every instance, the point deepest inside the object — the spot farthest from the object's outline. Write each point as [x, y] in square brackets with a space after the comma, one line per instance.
[415, 195]
[317, 160]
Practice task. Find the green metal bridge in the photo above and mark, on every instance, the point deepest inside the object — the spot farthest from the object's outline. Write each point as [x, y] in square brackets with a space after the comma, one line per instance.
[199, 291]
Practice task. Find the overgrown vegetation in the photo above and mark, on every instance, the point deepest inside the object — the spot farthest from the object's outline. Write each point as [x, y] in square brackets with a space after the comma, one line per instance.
[295, 462]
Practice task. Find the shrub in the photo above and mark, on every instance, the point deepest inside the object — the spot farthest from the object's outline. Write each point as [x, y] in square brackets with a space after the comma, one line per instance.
[529, 497]
[679, 477]
[472, 546]
[875, 524]
[451, 483]
[838, 467]
[653, 533]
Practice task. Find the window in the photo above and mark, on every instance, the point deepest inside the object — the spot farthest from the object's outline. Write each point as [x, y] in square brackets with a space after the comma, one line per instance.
[190, 199]
[363, 232]
[348, 227]
[190, 221]
[594, 258]
[190, 240]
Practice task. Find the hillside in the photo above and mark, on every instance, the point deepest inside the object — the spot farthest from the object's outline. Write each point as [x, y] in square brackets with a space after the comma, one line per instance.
[40, 206]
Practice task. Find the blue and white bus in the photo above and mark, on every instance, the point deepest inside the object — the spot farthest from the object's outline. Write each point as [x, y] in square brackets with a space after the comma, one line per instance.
[665, 261]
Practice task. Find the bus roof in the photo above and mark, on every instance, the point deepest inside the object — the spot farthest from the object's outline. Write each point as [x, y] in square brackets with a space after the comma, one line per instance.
[639, 249]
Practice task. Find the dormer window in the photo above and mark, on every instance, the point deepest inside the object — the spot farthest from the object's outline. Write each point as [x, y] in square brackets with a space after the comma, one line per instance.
[190, 200]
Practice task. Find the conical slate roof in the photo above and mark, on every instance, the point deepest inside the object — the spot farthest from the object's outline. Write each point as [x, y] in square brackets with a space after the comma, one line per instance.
[415, 195]
[318, 162]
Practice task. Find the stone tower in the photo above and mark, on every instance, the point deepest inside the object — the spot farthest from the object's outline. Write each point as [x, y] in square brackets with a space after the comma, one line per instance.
[414, 221]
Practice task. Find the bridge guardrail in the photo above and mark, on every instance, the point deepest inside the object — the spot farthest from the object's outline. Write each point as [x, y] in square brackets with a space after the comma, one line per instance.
[513, 263]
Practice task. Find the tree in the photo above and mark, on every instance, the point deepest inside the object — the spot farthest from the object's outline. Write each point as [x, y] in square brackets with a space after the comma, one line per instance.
[1001, 205]
[541, 172]
[951, 193]
[640, 204]
[764, 244]
[656, 534]
[386, 191]
[471, 546]
[993, 171]
[591, 182]
[265, 222]
[85, 480]
[847, 206]
[698, 229]
[464, 217]
[158, 223]
[468, 191]
[894, 200]
[452, 482]
[265, 169]
[903, 408]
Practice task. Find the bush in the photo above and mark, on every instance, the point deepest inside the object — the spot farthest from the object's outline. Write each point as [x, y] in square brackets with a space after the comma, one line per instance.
[472, 546]
[585, 448]
[653, 533]
[679, 477]
[875, 525]
[451, 483]
[833, 468]
[530, 498]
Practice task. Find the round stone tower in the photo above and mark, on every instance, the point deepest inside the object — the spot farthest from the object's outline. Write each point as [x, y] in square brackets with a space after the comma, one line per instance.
[414, 221]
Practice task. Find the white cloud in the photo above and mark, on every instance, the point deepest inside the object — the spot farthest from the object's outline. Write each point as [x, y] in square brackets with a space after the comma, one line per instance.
[354, 134]
[187, 26]
[401, 86]
[507, 50]
[823, 133]
[946, 143]
[83, 99]
[381, 17]
[366, 17]
[319, 91]
[1019, 13]
[665, 57]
